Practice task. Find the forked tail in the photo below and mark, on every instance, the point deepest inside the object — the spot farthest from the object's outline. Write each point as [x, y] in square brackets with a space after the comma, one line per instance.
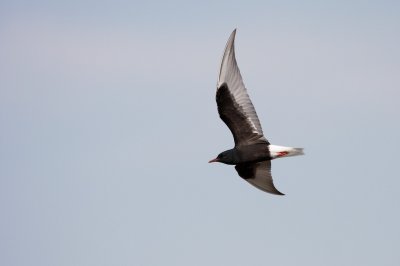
[296, 151]
[282, 151]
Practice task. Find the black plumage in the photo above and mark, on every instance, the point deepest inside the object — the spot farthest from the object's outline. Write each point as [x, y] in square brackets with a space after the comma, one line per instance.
[251, 154]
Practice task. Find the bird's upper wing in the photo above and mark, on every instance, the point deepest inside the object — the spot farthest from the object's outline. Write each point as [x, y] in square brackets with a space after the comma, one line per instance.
[259, 175]
[234, 105]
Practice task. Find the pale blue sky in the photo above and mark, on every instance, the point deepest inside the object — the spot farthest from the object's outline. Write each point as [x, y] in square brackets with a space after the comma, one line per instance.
[108, 119]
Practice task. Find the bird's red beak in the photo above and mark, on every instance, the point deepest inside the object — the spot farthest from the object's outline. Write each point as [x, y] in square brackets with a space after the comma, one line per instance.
[214, 160]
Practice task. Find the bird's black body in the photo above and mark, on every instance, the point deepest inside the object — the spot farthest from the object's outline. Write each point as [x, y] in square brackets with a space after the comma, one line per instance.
[245, 154]
[252, 153]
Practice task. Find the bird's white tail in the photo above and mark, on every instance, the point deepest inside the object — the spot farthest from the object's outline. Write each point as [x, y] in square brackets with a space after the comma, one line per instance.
[281, 151]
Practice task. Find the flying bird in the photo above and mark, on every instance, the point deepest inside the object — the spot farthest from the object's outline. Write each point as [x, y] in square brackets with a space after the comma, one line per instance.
[252, 154]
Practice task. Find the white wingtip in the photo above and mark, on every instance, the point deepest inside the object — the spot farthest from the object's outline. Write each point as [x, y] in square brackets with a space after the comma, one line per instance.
[227, 58]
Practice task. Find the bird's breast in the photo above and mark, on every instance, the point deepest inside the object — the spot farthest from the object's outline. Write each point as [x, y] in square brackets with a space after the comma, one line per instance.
[253, 153]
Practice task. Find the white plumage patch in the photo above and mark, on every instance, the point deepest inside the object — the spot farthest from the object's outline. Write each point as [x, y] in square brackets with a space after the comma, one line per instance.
[282, 151]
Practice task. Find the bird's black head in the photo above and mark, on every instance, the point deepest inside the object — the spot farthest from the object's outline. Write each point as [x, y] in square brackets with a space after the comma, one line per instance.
[225, 157]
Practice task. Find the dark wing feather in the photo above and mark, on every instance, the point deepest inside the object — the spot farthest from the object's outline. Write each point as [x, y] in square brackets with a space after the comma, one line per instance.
[233, 116]
[234, 105]
[259, 175]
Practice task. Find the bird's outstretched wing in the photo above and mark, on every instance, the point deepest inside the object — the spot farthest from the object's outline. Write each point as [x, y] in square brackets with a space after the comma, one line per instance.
[234, 105]
[259, 175]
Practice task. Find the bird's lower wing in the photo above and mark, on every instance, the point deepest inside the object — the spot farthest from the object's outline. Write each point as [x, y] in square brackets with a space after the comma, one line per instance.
[259, 175]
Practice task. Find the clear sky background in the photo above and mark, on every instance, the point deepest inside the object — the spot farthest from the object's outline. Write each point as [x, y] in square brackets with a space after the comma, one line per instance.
[108, 119]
